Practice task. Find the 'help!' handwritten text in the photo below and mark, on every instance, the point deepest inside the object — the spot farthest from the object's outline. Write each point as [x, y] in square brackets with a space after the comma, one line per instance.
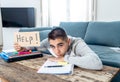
[27, 38]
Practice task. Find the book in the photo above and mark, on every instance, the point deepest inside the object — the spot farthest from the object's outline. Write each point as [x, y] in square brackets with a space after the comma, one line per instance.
[50, 67]
[12, 55]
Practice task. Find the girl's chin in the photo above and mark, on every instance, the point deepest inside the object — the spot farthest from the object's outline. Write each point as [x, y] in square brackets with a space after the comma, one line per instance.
[59, 56]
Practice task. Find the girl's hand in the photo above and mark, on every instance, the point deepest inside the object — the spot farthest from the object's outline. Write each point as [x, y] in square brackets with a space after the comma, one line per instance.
[18, 48]
[56, 59]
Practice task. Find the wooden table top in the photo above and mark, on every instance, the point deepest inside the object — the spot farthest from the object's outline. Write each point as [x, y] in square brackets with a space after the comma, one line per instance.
[26, 71]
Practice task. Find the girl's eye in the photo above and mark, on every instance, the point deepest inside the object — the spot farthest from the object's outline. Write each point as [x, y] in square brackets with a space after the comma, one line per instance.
[61, 45]
[52, 46]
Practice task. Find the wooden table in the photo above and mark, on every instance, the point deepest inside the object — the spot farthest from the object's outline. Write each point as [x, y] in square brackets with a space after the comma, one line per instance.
[26, 71]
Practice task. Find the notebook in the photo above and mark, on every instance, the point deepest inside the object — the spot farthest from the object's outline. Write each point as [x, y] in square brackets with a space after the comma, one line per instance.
[11, 56]
[50, 67]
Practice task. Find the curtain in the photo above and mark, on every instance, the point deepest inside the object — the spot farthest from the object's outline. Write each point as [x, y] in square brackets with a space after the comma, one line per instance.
[55, 11]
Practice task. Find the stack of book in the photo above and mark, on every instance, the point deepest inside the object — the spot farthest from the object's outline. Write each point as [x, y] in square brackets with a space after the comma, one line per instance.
[10, 56]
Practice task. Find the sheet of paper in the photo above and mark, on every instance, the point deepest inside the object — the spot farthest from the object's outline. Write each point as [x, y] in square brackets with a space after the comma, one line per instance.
[9, 50]
[66, 69]
[27, 38]
[51, 51]
[62, 63]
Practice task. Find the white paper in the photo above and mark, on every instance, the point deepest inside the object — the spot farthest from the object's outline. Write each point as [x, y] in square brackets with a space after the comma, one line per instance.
[66, 69]
[51, 51]
[9, 50]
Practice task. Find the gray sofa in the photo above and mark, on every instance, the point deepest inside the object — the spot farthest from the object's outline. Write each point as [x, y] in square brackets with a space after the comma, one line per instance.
[102, 37]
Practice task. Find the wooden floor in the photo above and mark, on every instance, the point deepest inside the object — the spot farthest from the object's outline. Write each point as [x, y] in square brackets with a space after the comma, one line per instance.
[26, 71]
[1, 78]
[79, 74]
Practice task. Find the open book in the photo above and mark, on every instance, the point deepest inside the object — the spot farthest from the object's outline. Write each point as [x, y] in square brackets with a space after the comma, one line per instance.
[50, 67]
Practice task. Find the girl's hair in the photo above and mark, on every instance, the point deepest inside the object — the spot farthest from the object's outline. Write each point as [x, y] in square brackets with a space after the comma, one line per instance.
[57, 32]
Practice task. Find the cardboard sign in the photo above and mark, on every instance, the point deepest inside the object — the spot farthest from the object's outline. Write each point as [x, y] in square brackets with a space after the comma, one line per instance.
[27, 38]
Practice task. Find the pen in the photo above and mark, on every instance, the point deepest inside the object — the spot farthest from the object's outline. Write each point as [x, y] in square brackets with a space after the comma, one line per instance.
[54, 66]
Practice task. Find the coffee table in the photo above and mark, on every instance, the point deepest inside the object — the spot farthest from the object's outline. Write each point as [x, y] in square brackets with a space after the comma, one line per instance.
[26, 71]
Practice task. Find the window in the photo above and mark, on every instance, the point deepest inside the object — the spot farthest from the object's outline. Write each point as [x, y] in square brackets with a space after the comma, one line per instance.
[55, 11]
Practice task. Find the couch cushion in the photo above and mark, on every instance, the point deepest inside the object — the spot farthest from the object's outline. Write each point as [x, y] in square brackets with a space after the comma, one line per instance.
[43, 31]
[76, 29]
[44, 34]
[103, 33]
[109, 55]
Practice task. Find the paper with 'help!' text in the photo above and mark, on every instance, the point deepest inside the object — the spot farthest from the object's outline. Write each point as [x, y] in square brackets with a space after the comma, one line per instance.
[27, 38]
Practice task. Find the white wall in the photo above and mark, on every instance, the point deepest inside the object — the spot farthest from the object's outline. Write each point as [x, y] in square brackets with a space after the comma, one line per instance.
[1, 39]
[8, 32]
[108, 10]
